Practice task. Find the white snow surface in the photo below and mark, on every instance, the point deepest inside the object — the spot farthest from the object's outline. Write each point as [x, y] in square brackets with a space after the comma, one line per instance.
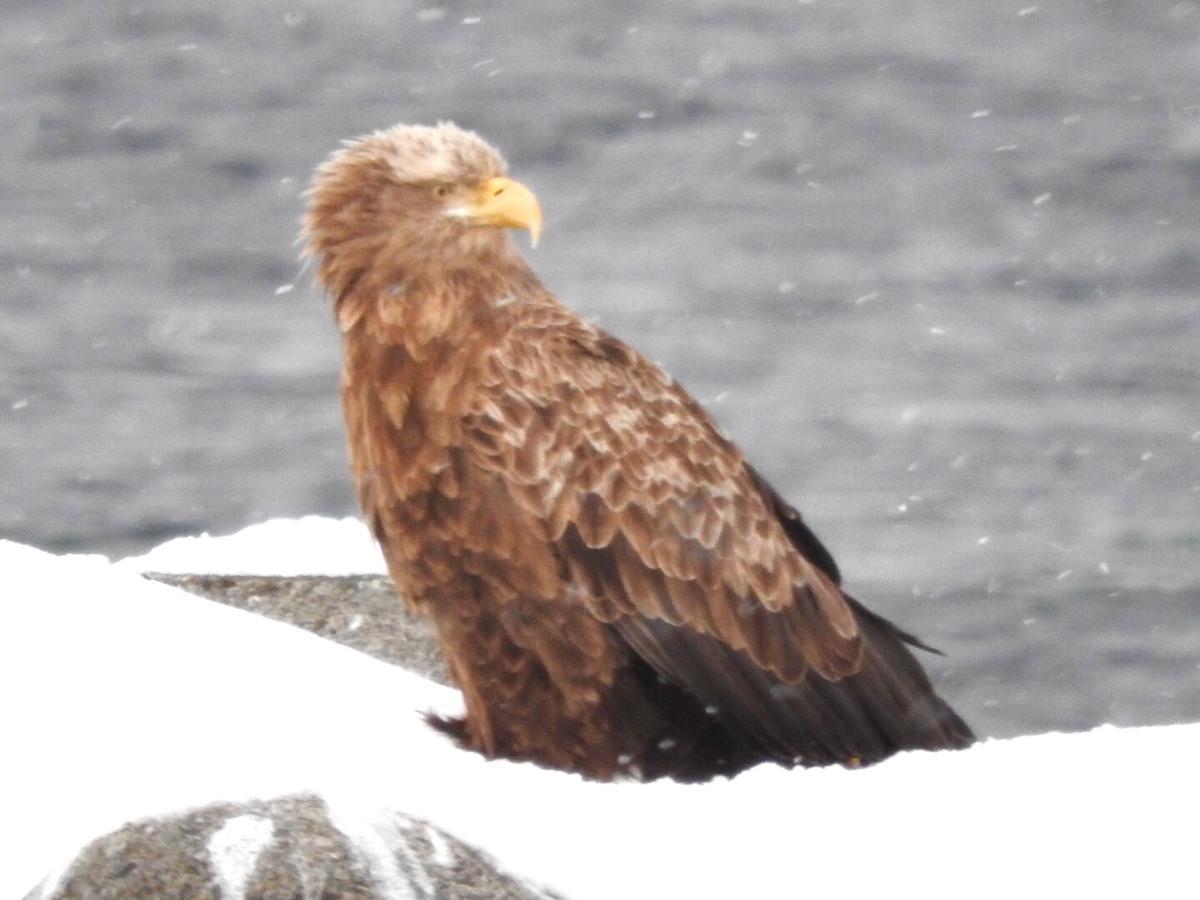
[313, 545]
[234, 849]
[124, 698]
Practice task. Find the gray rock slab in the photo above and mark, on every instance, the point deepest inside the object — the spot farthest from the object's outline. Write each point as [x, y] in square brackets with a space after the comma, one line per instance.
[361, 611]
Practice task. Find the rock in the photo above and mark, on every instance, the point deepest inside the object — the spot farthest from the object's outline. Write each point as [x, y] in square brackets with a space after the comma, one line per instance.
[362, 612]
[289, 847]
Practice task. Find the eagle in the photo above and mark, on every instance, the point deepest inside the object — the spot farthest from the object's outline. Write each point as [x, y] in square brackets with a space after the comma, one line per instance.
[616, 590]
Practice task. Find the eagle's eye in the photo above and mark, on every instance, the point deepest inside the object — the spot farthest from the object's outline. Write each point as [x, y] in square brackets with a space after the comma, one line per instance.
[441, 190]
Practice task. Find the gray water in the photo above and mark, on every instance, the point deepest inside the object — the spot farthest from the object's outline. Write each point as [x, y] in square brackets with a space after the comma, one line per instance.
[934, 266]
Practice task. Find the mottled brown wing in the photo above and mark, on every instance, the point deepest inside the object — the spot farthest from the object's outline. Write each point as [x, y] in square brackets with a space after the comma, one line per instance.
[654, 513]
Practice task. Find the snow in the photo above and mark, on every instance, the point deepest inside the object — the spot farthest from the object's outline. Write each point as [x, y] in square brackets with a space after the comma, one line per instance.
[312, 545]
[234, 849]
[125, 698]
[376, 837]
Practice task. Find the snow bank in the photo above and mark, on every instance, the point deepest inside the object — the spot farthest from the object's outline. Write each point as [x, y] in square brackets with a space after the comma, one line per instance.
[313, 545]
[125, 698]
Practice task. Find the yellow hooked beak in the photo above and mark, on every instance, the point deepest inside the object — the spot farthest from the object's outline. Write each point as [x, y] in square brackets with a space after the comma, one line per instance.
[507, 204]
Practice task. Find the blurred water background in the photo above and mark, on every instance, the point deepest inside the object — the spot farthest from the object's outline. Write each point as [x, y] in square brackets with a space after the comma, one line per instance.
[935, 267]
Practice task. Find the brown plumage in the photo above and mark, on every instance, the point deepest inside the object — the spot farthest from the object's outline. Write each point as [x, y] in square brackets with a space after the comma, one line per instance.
[616, 590]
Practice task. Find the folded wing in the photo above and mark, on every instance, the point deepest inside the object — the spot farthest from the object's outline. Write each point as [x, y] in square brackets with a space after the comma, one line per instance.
[664, 531]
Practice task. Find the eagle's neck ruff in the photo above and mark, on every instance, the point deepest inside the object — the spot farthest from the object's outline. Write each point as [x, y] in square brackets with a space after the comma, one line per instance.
[419, 297]
[410, 358]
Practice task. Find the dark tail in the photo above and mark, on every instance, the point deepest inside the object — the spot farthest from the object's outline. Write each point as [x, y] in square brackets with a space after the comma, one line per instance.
[893, 691]
[888, 706]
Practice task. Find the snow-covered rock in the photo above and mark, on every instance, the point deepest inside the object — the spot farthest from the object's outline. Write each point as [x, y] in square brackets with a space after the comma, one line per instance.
[287, 847]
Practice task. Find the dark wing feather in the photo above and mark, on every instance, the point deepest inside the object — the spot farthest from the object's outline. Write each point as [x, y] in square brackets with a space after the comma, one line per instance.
[665, 532]
[810, 547]
[801, 536]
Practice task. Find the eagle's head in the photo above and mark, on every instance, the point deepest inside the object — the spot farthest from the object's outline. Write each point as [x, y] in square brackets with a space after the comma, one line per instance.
[414, 193]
